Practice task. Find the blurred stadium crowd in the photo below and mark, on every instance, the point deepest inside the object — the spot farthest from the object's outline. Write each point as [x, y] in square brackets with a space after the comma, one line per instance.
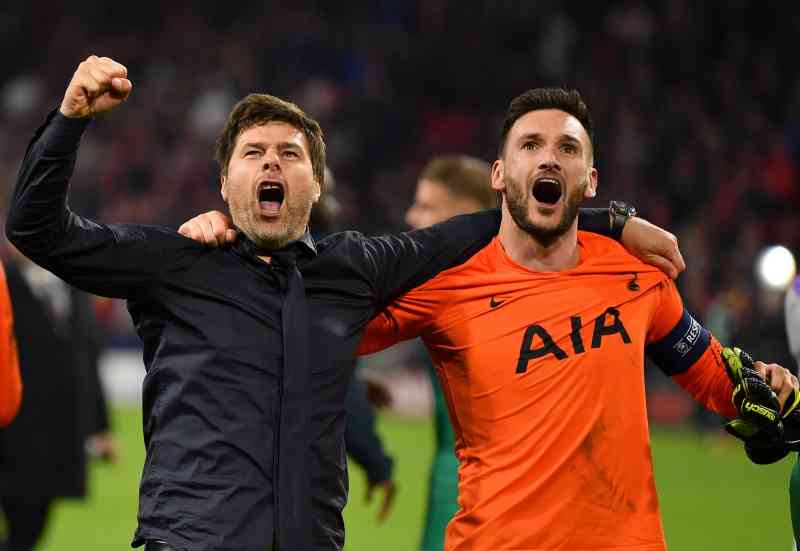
[697, 106]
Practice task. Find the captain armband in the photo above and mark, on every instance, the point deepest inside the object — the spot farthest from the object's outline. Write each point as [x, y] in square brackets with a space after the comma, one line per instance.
[679, 349]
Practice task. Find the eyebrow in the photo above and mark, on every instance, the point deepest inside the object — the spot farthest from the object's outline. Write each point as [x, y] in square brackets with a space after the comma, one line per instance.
[538, 135]
[280, 145]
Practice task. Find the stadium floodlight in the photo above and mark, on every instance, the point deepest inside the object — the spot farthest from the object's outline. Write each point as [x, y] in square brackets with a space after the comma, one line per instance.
[775, 267]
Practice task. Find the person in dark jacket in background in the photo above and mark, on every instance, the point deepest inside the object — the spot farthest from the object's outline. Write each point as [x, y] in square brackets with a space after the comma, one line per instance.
[43, 453]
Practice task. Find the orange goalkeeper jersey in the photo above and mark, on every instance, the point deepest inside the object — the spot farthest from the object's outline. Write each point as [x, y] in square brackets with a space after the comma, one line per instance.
[10, 383]
[543, 373]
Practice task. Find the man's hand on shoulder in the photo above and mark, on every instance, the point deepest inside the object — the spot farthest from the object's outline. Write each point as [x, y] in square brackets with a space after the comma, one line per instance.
[98, 84]
[212, 229]
[653, 245]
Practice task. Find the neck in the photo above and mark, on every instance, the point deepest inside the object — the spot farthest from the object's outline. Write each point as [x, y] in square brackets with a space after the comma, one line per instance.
[535, 253]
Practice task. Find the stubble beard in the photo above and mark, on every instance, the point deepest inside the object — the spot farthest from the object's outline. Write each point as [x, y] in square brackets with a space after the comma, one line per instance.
[517, 200]
[288, 229]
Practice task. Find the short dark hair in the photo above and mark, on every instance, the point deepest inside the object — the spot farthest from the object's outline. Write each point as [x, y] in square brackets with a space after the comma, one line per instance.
[464, 177]
[569, 101]
[257, 109]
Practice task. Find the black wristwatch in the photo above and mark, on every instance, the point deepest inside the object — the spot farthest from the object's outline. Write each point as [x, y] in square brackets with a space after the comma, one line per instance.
[619, 213]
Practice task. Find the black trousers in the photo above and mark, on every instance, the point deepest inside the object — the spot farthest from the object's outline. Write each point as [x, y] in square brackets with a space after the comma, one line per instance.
[26, 518]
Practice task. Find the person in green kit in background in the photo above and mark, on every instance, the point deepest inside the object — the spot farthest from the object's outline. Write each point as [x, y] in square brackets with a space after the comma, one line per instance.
[792, 311]
[449, 185]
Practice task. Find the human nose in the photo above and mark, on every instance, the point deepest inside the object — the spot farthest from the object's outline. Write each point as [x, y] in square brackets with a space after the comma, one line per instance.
[271, 161]
[550, 161]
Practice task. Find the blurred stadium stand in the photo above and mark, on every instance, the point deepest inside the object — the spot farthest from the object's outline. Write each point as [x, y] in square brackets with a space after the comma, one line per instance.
[697, 106]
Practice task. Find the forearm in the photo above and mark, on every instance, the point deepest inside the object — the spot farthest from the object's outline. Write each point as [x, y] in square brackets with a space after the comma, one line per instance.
[708, 383]
[38, 215]
[595, 220]
[108, 260]
[361, 439]
[397, 263]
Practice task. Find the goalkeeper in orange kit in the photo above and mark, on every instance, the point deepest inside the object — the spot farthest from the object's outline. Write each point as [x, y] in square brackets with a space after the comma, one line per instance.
[539, 342]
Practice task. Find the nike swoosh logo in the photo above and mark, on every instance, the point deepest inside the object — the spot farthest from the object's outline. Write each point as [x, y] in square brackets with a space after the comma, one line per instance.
[494, 303]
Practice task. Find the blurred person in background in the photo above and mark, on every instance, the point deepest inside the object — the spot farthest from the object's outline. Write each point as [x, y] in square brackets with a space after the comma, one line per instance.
[10, 382]
[792, 315]
[63, 419]
[449, 185]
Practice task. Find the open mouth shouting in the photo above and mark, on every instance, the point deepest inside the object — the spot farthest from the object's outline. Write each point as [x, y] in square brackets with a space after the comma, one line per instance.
[270, 197]
[547, 190]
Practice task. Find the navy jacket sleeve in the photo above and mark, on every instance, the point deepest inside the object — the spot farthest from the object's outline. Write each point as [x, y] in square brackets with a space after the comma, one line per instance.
[595, 220]
[102, 259]
[362, 441]
[398, 263]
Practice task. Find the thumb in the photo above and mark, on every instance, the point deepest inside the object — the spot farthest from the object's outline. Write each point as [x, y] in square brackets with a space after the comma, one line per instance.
[121, 86]
[741, 429]
[230, 235]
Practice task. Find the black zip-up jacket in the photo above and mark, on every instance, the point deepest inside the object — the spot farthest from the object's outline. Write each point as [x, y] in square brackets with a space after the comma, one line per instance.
[210, 322]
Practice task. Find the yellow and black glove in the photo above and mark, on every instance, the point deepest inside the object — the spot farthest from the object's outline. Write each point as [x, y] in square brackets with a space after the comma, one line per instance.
[768, 431]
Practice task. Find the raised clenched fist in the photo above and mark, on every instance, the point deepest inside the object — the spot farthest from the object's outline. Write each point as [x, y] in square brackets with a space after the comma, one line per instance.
[99, 84]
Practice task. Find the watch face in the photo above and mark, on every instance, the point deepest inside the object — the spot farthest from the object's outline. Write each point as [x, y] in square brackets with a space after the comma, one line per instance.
[618, 207]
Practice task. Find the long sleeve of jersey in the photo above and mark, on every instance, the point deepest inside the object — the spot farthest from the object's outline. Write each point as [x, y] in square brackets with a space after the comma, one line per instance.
[10, 381]
[404, 319]
[689, 353]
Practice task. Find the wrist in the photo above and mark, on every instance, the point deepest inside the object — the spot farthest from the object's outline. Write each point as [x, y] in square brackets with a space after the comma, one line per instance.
[619, 213]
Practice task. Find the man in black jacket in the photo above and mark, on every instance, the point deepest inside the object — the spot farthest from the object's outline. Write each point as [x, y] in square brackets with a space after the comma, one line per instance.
[43, 453]
[248, 348]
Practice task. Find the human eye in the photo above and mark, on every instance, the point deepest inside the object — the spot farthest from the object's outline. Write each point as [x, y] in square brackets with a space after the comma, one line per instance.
[250, 153]
[291, 154]
[569, 148]
[529, 145]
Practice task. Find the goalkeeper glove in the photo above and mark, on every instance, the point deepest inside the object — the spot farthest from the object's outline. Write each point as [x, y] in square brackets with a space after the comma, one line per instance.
[768, 431]
[763, 448]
